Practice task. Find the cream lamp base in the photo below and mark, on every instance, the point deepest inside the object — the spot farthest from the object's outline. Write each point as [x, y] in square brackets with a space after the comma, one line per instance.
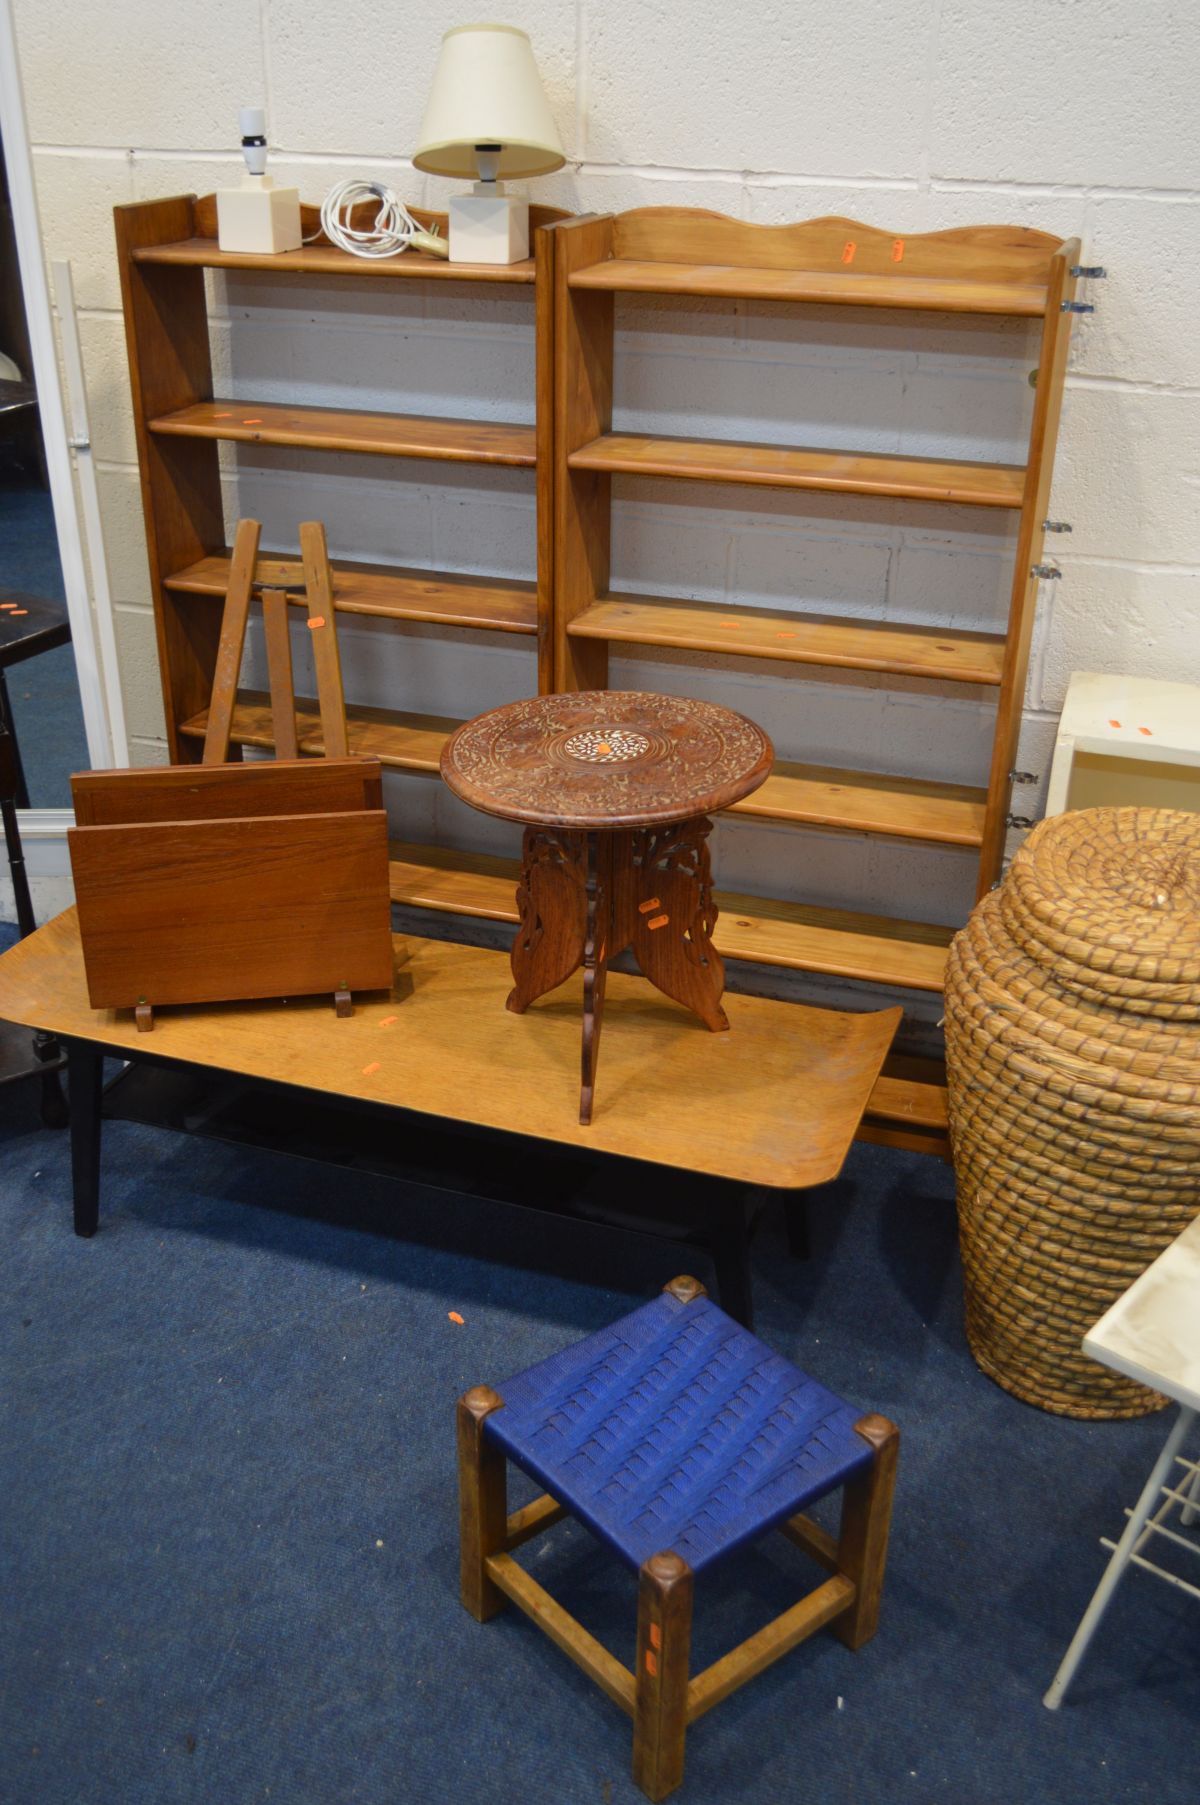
[259, 217]
[488, 226]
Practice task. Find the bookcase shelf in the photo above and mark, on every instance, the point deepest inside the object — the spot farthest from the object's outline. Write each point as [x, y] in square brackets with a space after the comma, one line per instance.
[402, 742]
[845, 641]
[907, 808]
[837, 942]
[328, 260]
[838, 288]
[388, 591]
[788, 467]
[341, 429]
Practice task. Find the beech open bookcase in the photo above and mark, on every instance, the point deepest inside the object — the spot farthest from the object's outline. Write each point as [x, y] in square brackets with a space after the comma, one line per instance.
[684, 252]
[164, 248]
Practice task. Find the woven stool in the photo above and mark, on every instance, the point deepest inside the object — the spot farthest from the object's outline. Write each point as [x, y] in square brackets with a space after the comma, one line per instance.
[676, 1437]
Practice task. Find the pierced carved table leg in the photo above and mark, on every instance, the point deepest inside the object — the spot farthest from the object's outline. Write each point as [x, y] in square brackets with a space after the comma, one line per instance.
[675, 917]
[595, 962]
[552, 901]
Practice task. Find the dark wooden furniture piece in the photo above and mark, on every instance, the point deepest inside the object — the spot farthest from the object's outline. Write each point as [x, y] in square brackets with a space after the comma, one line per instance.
[28, 625]
[23, 1055]
[615, 791]
[441, 1046]
[20, 424]
[676, 1437]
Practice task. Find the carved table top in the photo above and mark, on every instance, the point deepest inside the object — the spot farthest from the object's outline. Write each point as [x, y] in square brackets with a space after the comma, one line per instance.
[606, 759]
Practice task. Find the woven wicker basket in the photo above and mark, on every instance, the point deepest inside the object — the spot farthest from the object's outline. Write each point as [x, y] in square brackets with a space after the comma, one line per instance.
[1073, 1055]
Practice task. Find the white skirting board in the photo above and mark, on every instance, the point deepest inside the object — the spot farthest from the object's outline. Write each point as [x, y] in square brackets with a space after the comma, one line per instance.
[47, 862]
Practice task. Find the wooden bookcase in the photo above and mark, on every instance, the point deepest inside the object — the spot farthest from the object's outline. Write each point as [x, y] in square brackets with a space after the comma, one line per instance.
[164, 248]
[682, 252]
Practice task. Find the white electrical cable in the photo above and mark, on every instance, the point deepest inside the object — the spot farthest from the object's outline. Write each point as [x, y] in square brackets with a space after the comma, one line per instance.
[394, 228]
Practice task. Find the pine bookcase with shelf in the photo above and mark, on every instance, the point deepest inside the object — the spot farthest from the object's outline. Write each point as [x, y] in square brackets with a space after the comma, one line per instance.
[985, 270]
[164, 249]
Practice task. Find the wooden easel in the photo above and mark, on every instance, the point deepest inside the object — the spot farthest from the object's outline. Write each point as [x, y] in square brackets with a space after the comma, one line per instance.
[312, 585]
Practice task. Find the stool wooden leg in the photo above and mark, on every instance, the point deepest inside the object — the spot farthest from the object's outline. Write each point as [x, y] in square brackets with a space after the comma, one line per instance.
[663, 1654]
[866, 1519]
[482, 1503]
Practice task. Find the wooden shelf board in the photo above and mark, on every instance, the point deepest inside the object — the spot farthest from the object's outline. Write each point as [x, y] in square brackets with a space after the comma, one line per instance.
[846, 642]
[908, 807]
[454, 883]
[949, 294]
[340, 429]
[404, 742]
[909, 954]
[912, 1091]
[837, 942]
[788, 467]
[449, 598]
[327, 260]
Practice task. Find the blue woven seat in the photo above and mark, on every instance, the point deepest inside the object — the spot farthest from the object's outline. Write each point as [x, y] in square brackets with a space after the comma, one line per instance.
[676, 1430]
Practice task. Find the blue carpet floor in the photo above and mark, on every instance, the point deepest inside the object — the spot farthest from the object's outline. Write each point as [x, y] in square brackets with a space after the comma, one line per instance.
[229, 1534]
[44, 691]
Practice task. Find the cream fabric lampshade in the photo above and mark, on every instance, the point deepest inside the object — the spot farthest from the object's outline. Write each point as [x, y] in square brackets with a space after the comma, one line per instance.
[486, 90]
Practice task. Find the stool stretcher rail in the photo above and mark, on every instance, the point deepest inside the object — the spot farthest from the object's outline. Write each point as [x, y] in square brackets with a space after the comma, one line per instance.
[770, 1644]
[563, 1630]
[531, 1519]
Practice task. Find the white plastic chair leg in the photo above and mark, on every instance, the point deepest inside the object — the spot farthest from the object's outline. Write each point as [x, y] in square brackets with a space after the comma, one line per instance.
[1118, 1562]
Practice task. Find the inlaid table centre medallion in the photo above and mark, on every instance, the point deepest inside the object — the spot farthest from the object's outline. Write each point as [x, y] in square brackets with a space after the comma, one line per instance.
[615, 789]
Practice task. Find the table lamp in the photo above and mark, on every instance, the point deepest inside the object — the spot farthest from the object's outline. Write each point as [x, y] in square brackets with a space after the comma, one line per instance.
[487, 116]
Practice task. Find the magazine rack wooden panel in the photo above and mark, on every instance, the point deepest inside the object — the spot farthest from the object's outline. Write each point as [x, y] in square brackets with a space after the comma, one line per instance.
[232, 882]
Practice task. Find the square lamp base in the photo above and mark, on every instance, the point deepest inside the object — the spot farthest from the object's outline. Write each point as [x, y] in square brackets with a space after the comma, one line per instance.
[488, 228]
[259, 218]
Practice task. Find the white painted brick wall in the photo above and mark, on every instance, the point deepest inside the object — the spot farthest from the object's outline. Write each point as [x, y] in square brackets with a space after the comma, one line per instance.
[1074, 116]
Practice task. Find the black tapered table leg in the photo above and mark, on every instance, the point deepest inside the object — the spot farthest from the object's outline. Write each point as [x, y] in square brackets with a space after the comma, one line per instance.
[85, 1076]
[20, 789]
[795, 1215]
[730, 1249]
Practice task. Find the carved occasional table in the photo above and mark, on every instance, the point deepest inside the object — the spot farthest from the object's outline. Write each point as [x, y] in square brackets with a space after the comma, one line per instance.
[614, 789]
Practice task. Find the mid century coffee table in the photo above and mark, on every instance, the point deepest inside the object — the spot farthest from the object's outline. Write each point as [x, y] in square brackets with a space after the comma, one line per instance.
[692, 1132]
[615, 789]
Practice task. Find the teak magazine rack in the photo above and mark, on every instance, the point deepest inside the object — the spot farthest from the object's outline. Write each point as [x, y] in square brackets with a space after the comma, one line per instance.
[570, 611]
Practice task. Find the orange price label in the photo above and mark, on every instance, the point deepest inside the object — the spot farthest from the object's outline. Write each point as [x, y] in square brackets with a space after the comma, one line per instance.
[897, 250]
[848, 250]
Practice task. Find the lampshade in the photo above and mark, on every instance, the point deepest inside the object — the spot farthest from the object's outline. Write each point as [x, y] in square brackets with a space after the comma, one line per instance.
[486, 90]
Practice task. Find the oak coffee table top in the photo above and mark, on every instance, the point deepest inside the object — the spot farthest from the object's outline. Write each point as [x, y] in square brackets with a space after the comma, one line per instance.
[598, 759]
[775, 1103]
